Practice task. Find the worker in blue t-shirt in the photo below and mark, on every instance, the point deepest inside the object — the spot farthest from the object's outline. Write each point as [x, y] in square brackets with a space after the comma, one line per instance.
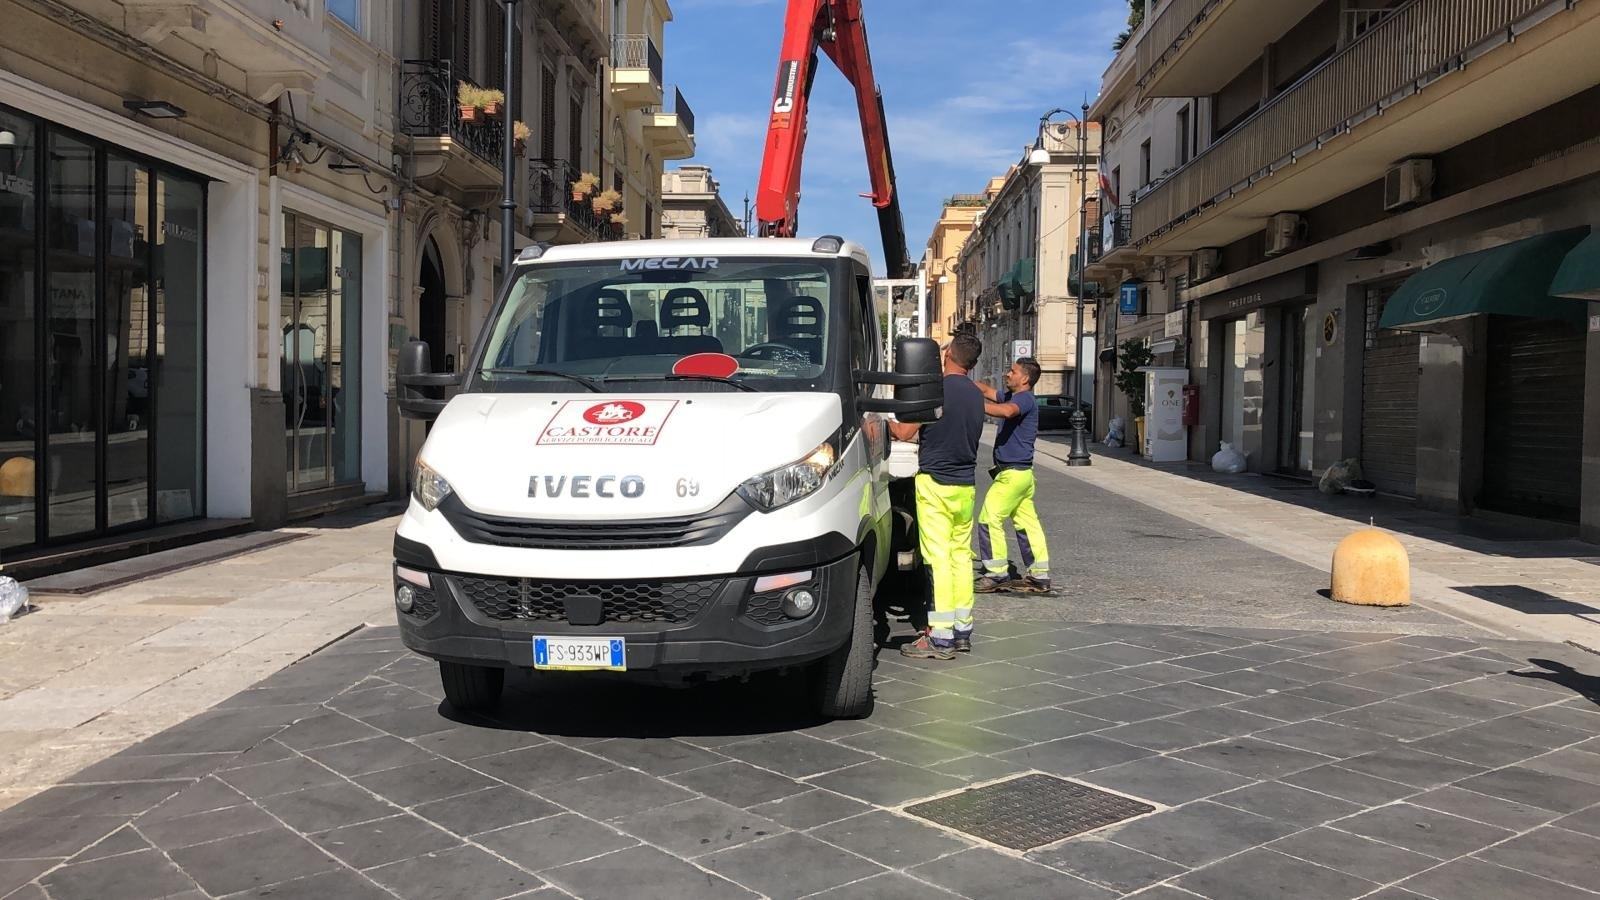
[1011, 493]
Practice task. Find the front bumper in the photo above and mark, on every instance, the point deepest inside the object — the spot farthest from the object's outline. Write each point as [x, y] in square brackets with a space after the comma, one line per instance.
[713, 626]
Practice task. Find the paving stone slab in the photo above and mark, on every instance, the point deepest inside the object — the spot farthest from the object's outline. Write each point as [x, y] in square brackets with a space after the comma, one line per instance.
[621, 873]
[554, 841]
[993, 876]
[451, 874]
[1521, 785]
[252, 861]
[1287, 803]
[1555, 853]
[740, 784]
[1427, 831]
[1108, 864]
[136, 876]
[486, 810]
[1473, 879]
[1199, 833]
[1263, 874]
[1362, 857]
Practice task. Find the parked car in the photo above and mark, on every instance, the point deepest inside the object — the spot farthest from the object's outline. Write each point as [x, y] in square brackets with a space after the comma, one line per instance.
[1055, 414]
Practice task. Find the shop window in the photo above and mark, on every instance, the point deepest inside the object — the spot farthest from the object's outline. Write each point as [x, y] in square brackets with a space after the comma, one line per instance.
[19, 331]
[321, 364]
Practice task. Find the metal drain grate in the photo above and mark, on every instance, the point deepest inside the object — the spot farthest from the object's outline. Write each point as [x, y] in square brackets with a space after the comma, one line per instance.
[1029, 811]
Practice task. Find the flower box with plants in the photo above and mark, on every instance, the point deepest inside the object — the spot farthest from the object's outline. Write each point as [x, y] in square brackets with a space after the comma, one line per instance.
[520, 132]
[477, 103]
[606, 201]
[584, 186]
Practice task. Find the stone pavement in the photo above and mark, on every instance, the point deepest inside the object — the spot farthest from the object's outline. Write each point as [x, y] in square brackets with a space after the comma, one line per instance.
[83, 677]
[1463, 568]
[1280, 762]
[1291, 746]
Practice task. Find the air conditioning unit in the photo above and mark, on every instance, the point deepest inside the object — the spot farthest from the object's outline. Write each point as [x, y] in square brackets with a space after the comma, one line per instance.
[1409, 183]
[1285, 232]
[1205, 265]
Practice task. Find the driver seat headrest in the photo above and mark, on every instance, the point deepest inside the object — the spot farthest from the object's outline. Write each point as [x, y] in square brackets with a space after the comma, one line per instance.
[610, 309]
[685, 307]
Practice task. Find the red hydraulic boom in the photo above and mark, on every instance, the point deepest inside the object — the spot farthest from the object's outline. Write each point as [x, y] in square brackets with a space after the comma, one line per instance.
[837, 28]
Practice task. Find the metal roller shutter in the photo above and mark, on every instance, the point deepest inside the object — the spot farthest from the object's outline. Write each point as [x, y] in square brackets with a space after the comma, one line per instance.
[1390, 373]
[1533, 437]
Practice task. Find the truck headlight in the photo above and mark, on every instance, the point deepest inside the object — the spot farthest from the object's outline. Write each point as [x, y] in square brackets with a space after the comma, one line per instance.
[429, 487]
[796, 481]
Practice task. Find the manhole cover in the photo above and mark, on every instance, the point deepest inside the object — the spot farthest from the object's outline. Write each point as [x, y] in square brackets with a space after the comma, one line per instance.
[1029, 811]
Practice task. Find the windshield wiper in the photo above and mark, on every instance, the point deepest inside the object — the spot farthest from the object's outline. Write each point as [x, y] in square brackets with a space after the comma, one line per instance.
[676, 377]
[590, 383]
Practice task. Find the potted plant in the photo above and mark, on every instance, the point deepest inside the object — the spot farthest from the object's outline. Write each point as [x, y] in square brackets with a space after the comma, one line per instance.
[606, 201]
[490, 100]
[584, 186]
[520, 132]
[1133, 355]
[619, 218]
[469, 99]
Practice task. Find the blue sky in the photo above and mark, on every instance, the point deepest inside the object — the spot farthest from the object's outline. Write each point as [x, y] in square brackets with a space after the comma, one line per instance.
[964, 84]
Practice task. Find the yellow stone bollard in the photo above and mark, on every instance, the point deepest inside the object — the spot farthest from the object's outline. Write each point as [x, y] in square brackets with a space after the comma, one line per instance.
[1370, 568]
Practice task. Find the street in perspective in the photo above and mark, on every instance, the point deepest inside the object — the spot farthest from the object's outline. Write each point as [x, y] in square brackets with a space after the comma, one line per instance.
[1089, 449]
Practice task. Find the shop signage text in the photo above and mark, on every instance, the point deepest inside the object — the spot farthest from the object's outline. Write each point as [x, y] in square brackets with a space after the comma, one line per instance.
[1300, 284]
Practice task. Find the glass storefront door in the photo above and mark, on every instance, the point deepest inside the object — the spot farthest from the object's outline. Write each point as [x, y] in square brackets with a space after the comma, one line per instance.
[321, 365]
[101, 329]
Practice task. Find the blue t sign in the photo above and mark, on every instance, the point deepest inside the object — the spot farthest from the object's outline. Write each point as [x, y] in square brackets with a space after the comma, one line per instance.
[1129, 305]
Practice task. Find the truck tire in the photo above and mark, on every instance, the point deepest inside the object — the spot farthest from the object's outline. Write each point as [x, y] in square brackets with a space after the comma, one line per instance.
[471, 688]
[844, 677]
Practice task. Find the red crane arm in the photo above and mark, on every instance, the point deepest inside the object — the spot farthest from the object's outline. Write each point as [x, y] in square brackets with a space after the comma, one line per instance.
[836, 27]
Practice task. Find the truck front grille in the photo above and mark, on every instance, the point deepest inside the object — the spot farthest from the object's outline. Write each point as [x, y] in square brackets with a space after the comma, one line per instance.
[638, 534]
[527, 600]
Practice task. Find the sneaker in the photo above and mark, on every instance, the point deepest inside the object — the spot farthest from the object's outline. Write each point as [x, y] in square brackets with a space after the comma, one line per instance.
[963, 642]
[924, 647]
[1029, 585]
[988, 584]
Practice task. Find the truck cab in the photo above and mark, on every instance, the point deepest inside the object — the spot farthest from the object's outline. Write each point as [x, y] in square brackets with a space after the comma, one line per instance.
[664, 460]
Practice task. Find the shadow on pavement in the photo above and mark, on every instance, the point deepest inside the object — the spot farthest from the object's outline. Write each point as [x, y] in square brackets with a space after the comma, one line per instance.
[1559, 673]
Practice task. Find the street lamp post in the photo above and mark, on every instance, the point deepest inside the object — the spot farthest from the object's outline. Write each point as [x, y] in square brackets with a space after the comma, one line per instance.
[508, 161]
[1041, 157]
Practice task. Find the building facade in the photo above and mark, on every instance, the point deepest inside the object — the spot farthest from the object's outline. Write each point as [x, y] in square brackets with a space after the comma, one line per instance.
[217, 236]
[693, 206]
[196, 262]
[1016, 267]
[940, 262]
[1381, 245]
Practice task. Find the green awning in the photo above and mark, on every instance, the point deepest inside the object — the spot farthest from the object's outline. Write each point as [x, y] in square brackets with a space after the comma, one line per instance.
[1579, 275]
[1023, 273]
[1510, 280]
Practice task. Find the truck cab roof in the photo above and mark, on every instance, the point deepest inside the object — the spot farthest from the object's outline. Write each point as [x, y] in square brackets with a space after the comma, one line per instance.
[819, 248]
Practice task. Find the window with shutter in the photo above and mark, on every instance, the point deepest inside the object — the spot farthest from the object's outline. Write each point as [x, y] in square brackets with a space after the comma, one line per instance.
[433, 43]
[461, 40]
[496, 27]
[547, 116]
[575, 132]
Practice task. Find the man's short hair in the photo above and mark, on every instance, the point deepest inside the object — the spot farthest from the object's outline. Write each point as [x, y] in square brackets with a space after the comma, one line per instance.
[965, 348]
[1030, 368]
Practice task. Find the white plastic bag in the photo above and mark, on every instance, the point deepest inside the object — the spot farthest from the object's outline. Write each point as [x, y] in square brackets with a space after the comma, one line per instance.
[13, 598]
[1228, 461]
[1115, 432]
[1340, 476]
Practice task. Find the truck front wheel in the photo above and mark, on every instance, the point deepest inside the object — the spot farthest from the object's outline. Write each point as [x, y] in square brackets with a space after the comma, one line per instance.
[844, 677]
[471, 688]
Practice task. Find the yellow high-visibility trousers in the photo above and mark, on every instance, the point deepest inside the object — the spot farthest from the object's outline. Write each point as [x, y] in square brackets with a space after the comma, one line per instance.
[944, 529]
[1011, 497]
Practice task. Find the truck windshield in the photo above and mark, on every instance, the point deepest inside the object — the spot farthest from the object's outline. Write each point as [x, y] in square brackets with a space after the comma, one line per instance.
[632, 321]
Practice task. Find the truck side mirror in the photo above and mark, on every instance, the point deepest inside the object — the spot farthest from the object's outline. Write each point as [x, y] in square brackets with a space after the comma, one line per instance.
[418, 389]
[918, 382]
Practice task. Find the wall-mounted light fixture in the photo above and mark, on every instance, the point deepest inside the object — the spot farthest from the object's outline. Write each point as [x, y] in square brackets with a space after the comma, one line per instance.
[154, 109]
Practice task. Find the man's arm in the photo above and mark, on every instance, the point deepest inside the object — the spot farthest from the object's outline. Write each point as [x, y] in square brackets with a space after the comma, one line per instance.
[904, 431]
[1001, 410]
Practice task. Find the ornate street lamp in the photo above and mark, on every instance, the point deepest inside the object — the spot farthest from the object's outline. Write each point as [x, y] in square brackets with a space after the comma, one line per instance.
[1041, 157]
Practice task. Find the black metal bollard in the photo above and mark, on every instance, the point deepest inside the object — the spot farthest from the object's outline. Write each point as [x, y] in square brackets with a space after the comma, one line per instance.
[1080, 442]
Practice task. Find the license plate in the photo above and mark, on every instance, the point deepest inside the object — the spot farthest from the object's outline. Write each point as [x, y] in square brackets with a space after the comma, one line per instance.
[609, 654]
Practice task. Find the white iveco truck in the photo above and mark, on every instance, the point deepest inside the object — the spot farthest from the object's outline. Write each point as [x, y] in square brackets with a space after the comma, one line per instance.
[666, 459]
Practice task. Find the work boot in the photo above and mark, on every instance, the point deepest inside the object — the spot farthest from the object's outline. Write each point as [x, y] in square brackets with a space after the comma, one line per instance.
[988, 584]
[1028, 584]
[925, 647]
[963, 642]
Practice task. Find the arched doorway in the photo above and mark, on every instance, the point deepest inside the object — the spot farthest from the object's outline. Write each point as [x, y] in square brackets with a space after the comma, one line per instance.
[432, 304]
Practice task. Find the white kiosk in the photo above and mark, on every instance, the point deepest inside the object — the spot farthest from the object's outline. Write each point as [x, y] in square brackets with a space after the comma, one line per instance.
[1165, 438]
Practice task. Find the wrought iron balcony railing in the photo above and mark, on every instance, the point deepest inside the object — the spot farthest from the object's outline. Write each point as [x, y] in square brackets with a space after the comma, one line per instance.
[685, 115]
[428, 108]
[550, 193]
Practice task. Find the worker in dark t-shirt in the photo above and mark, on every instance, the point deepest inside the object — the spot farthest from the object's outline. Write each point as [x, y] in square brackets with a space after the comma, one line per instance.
[947, 463]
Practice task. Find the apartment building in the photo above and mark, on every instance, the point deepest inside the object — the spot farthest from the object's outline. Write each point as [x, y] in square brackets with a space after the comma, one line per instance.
[693, 206]
[1376, 238]
[197, 254]
[1015, 268]
[940, 262]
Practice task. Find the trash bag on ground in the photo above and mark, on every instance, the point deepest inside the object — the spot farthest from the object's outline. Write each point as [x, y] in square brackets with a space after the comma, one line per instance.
[1228, 460]
[13, 599]
[1115, 432]
[1340, 476]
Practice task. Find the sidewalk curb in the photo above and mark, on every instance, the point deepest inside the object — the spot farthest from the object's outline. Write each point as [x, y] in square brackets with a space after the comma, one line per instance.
[1434, 591]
